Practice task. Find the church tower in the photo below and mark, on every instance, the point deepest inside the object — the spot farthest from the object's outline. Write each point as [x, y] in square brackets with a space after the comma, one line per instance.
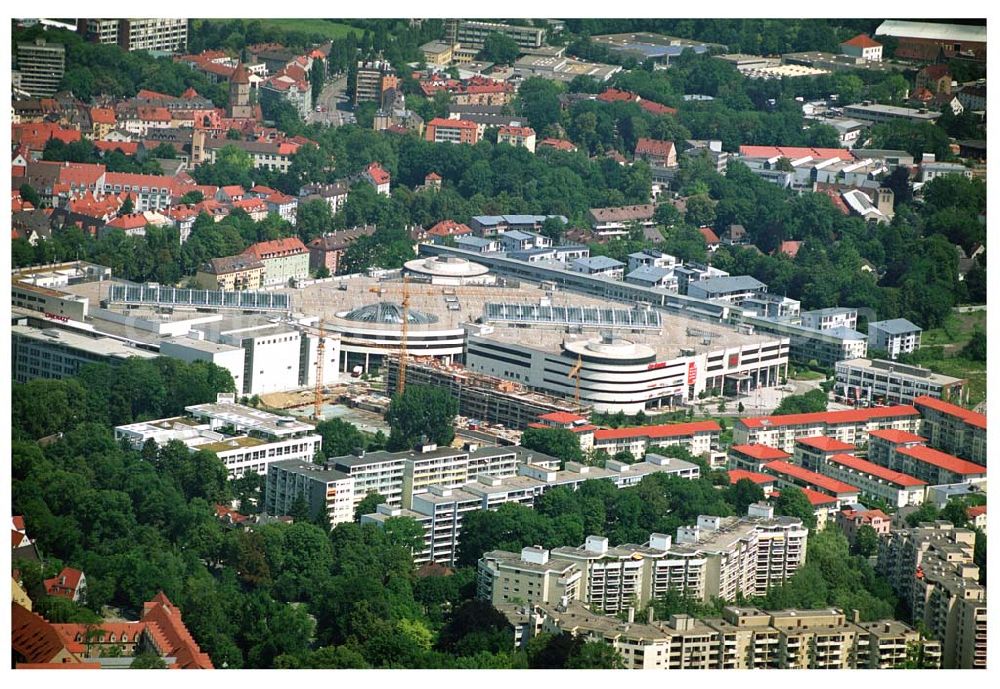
[239, 93]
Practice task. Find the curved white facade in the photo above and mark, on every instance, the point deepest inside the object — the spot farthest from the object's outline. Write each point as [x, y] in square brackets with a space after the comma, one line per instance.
[449, 270]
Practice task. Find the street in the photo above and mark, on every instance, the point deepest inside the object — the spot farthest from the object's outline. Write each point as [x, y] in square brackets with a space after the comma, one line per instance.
[335, 105]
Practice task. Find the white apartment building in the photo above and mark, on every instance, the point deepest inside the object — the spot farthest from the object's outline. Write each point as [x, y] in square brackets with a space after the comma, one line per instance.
[532, 577]
[896, 336]
[699, 438]
[243, 438]
[896, 488]
[828, 319]
[878, 381]
[58, 353]
[324, 489]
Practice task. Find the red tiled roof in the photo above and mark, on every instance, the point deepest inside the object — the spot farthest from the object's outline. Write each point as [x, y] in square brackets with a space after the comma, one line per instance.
[287, 246]
[146, 94]
[863, 465]
[102, 115]
[379, 174]
[829, 417]
[508, 130]
[153, 114]
[561, 144]
[824, 482]
[662, 431]
[65, 583]
[970, 417]
[762, 452]
[790, 248]
[279, 199]
[657, 108]
[973, 512]
[33, 637]
[445, 123]
[18, 521]
[448, 228]
[35, 134]
[612, 95]
[795, 152]
[171, 637]
[233, 190]
[253, 205]
[866, 516]
[894, 436]
[862, 41]
[123, 632]
[561, 417]
[942, 460]
[129, 148]
[432, 176]
[654, 147]
[816, 498]
[736, 475]
[825, 444]
[709, 234]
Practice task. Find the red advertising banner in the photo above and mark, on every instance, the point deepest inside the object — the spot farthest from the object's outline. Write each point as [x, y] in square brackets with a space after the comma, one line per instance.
[692, 372]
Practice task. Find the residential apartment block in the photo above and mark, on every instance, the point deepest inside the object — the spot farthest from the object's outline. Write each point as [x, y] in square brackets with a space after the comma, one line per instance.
[698, 438]
[879, 381]
[718, 557]
[472, 34]
[851, 426]
[325, 490]
[907, 453]
[742, 639]
[442, 130]
[931, 568]
[157, 35]
[243, 438]
[953, 429]
[41, 65]
[240, 272]
[895, 337]
[284, 260]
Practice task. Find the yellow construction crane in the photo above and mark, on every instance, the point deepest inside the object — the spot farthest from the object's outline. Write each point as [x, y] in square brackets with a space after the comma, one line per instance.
[575, 373]
[404, 333]
[318, 390]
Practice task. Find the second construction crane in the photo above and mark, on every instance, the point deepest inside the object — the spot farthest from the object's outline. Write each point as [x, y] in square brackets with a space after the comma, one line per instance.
[404, 331]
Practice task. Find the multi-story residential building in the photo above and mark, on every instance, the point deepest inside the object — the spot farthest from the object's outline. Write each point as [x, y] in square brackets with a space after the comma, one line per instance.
[599, 265]
[517, 136]
[617, 220]
[651, 276]
[282, 205]
[851, 426]
[874, 481]
[243, 438]
[41, 65]
[879, 381]
[699, 438]
[794, 475]
[520, 240]
[284, 260]
[442, 130]
[743, 638]
[59, 353]
[896, 336]
[156, 35]
[148, 192]
[931, 567]
[378, 177]
[953, 429]
[231, 272]
[935, 467]
[754, 457]
[734, 289]
[328, 250]
[828, 319]
[812, 452]
[850, 520]
[324, 489]
[651, 258]
[283, 87]
[371, 81]
[656, 152]
[494, 225]
[532, 577]
[473, 33]
[334, 195]
[824, 347]
[264, 154]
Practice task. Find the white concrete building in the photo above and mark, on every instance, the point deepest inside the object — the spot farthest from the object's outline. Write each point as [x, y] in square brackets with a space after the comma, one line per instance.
[324, 489]
[243, 438]
[828, 319]
[896, 336]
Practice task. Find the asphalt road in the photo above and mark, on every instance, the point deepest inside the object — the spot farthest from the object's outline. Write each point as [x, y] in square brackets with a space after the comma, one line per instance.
[334, 101]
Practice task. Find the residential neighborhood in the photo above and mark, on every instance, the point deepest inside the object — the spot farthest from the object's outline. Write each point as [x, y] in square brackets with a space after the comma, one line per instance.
[498, 344]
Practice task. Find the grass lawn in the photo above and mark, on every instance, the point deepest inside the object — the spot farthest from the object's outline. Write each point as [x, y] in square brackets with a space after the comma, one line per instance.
[328, 29]
[973, 371]
[955, 332]
[807, 374]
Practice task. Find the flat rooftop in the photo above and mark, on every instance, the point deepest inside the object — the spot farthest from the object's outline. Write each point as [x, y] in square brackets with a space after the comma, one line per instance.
[318, 472]
[249, 418]
[101, 346]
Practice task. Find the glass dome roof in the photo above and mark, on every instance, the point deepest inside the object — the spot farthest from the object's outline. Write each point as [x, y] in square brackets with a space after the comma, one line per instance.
[388, 313]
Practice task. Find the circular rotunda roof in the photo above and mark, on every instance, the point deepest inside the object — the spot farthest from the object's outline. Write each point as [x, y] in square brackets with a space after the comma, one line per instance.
[387, 313]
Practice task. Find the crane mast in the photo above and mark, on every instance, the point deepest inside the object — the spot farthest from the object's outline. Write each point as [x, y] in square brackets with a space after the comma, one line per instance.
[318, 389]
[404, 333]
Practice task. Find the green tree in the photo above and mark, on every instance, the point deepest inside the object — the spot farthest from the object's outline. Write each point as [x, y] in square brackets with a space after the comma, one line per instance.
[127, 207]
[474, 627]
[555, 442]
[368, 504]
[810, 402]
[793, 503]
[500, 49]
[595, 655]
[975, 349]
[340, 437]
[147, 660]
[421, 411]
[866, 541]
[29, 195]
[192, 197]
[742, 494]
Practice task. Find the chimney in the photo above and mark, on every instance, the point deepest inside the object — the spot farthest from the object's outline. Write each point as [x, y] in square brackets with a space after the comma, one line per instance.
[855, 616]
[650, 615]
[631, 614]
